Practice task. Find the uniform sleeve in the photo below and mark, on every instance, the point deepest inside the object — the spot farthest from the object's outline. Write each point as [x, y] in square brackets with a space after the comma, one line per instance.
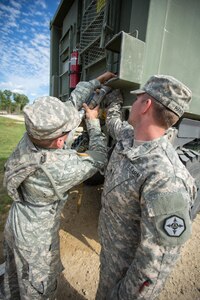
[113, 120]
[165, 227]
[97, 142]
[81, 166]
[114, 123]
[82, 92]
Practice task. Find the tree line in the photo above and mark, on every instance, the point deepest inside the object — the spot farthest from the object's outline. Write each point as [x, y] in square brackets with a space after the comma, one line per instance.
[12, 102]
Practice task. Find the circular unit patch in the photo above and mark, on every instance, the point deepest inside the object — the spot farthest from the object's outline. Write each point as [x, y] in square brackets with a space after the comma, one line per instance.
[174, 226]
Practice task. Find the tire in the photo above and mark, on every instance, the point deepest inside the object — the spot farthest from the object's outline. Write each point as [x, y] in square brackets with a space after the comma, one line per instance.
[191, 159]
[96, 179]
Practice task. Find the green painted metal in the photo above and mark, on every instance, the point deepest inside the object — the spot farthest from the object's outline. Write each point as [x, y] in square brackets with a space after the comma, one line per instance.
[130, 60]
[173, 43]
[168, 43]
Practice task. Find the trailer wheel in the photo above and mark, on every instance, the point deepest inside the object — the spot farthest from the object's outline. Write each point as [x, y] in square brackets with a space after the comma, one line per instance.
[191, 159]
[96, 179]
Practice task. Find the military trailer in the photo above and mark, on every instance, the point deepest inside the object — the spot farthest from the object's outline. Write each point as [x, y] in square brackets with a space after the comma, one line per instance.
[134, 39]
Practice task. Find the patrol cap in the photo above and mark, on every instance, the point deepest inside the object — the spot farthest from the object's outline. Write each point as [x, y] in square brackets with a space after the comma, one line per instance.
[169, 91]
[48, 118]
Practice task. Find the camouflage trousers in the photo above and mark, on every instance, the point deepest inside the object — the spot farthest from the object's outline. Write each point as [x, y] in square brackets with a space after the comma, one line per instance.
[108, 278]
[30, 274]
[111, 277]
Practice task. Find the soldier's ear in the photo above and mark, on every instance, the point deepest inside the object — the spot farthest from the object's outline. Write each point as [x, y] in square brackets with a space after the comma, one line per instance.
[59, 142]
[147, 105]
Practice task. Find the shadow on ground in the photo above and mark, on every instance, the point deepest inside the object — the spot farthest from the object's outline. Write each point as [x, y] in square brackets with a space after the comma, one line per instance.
[84, 223]
[66, 291]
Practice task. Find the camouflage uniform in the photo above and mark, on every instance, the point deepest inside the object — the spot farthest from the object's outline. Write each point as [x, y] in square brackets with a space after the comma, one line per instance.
[145, 215]
[38, 180]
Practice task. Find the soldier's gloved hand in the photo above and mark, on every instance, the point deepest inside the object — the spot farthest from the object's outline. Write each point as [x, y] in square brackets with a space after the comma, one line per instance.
[114, 97]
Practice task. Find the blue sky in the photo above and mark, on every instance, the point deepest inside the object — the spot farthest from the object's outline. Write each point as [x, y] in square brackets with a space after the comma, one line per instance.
[25, 45]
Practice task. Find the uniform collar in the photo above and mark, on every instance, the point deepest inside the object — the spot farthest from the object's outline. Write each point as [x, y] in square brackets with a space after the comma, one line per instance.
[125, 145]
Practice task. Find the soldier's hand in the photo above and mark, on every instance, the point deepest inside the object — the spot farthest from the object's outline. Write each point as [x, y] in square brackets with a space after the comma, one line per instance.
[91, 114]
[105, 77]
[114, 97]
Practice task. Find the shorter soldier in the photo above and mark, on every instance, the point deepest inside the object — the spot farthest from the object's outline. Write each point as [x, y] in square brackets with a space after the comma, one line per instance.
[38, 175]
[147, 196]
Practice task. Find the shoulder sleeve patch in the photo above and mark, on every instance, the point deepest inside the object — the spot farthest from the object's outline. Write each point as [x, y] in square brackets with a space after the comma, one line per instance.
[170, 214]
[174, 226]
[173, 230]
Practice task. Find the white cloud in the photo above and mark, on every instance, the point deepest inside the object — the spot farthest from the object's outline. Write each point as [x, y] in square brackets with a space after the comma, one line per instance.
[15, 4]
[41, 3]
[11, 14]
[24, 47]
[32, 86]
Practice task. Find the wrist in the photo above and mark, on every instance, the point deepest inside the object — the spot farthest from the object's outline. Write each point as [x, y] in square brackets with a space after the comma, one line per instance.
[96, 83]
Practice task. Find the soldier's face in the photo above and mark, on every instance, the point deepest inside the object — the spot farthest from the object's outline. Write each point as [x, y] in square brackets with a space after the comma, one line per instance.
[136, 110]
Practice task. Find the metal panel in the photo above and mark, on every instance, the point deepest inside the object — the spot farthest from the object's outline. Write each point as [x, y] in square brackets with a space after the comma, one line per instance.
[173, 43]
[189, 128]
[64, 86]
[130, 59]
[139, 17]
[61, 12]
[54, 60]
[54, 87]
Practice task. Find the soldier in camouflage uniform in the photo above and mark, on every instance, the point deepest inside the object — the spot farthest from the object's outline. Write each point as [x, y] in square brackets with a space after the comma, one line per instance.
[147, 196]
[38, 175]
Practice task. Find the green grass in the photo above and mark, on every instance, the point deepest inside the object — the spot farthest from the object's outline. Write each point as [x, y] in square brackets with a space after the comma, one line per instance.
[11, 132]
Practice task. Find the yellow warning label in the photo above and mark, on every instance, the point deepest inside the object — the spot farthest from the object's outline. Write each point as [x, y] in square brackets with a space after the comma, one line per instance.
[100, 5]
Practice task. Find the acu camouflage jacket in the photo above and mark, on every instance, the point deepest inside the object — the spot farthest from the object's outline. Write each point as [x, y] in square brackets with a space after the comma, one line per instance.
[145, 215]
[38, 180]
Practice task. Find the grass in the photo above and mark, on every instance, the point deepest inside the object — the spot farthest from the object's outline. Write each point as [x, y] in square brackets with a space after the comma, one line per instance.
[11, 132]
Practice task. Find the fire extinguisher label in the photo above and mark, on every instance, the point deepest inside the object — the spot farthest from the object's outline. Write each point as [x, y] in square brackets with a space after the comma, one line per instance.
[73, 61]
[74, 75]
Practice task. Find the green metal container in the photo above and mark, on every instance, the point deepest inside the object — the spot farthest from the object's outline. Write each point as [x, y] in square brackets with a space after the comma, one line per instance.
[133, 38]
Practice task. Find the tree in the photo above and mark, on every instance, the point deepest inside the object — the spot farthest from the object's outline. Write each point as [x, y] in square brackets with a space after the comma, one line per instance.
[12, 102]
[21, 100]
[2, 101]
[8, 101]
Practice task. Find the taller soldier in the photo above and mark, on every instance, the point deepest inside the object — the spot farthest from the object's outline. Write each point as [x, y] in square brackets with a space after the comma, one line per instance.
[147, 195]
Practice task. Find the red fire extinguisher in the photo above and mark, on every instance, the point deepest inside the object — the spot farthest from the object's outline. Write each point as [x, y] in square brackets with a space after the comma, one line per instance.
[74, 74]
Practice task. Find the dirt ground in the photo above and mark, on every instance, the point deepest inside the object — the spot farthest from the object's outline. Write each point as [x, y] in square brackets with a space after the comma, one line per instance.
[80, 250]
[80, 253]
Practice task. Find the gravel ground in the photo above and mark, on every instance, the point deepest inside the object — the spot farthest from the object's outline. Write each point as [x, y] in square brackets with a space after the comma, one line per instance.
[14, 117]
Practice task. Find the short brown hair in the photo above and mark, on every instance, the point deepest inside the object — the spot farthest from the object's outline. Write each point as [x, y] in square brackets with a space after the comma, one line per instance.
[41, 143]
[45, 143]
[163, 116]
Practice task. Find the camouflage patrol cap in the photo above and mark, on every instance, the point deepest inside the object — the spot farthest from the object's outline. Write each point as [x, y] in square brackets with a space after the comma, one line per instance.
[48, 117]
[169, 91]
